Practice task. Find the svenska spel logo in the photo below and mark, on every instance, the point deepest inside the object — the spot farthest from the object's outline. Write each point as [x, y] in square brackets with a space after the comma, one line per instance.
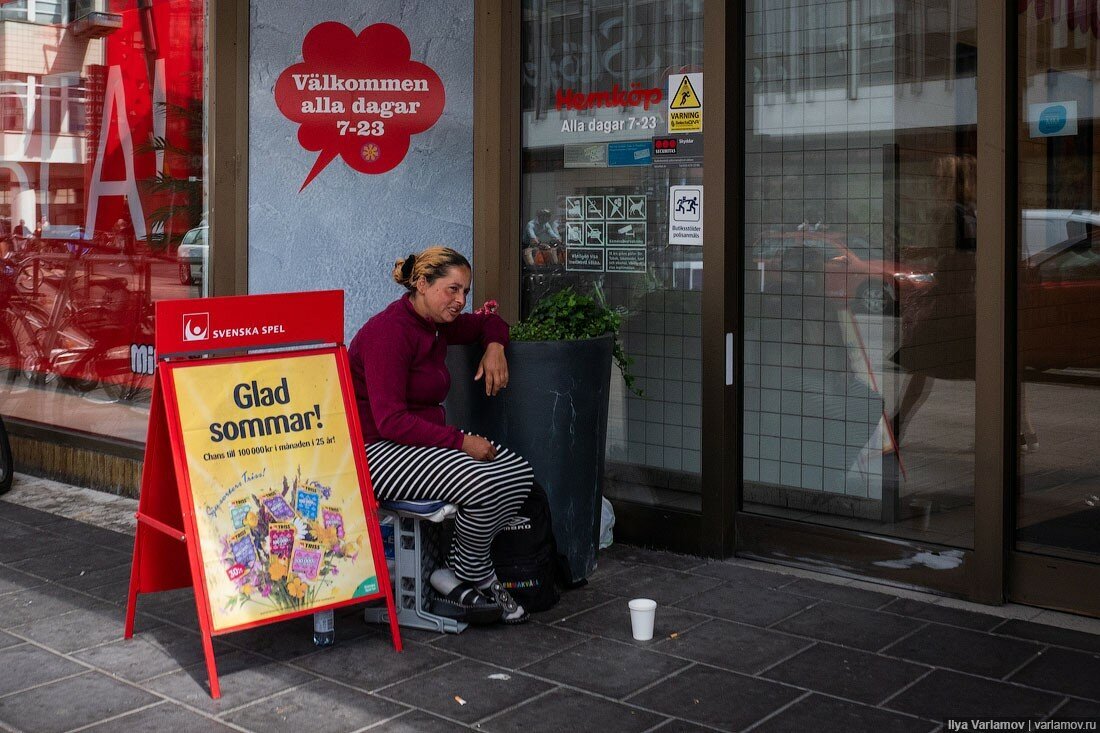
[196, 326]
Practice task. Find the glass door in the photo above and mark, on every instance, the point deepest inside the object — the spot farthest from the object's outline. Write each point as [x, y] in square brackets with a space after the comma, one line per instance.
[1057, 502]
[859, 262]
[611, 206]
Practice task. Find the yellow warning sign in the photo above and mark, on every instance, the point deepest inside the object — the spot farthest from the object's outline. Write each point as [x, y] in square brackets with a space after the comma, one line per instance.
[685, 121]
[685, 97]
[685, 103]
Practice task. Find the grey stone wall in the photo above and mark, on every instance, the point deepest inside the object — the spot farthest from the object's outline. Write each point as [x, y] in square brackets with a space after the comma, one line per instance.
[346, 229]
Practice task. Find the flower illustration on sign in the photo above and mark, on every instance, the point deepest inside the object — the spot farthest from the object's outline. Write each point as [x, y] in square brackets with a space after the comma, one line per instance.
[281, 550]
[349, 87]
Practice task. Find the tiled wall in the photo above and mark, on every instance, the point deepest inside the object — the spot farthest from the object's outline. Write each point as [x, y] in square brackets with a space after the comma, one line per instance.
[661, 429]
[661, 330]
[811, 156]
[850, 120]
[653, 441]
[28, 48]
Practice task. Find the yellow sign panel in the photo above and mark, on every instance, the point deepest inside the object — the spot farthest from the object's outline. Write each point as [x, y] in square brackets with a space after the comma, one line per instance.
[685, 122]
[274, 487]
[685, 96]
[685, 103]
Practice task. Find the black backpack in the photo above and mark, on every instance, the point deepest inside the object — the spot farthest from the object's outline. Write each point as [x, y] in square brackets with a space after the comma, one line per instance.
[526, 556]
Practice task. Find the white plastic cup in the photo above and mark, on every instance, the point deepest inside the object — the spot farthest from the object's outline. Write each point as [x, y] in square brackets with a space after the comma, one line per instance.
[642, 613]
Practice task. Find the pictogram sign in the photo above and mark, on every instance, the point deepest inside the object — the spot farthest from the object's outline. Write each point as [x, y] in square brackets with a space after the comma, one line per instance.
[685, 103]
[685, 97]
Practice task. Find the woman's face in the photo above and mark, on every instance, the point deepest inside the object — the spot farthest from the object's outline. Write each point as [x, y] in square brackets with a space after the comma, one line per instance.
[445, 298]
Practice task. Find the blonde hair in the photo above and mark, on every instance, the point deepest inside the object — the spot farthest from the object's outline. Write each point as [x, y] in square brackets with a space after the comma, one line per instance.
[959, 174]
[430, 264]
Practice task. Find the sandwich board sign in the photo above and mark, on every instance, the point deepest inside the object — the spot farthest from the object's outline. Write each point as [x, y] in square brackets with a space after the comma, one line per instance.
[255, 488]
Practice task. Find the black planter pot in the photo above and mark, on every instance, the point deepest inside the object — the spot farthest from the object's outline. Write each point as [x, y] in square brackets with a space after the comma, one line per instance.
[554, 414]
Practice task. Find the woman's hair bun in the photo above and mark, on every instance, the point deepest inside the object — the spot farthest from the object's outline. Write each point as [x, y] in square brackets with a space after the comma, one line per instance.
[403, 270]
[429, 264]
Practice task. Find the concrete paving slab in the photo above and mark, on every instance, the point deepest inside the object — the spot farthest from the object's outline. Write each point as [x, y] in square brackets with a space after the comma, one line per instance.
[745, 644]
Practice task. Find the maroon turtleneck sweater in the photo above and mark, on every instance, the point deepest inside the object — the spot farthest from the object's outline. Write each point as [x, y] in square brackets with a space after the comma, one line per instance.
[400, 376]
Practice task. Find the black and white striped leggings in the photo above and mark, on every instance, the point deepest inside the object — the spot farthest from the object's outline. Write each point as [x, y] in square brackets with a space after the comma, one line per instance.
[487, 493]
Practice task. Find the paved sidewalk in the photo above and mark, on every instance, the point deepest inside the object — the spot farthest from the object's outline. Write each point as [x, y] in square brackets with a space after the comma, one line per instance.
[738, 646]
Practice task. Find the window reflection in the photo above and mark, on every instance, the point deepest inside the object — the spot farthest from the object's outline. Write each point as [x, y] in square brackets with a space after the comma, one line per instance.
[1058, 275]
[101, 185]
[861, 237]
[595, 214]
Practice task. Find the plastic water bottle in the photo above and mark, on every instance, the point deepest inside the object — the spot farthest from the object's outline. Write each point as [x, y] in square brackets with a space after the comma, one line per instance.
[324, 630]
[386, 526]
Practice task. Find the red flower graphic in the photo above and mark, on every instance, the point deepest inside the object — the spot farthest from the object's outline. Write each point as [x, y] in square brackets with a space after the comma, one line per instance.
[358, 96]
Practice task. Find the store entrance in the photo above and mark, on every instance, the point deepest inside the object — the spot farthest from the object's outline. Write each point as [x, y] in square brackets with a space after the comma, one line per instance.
[1054, 553]
[859, 258]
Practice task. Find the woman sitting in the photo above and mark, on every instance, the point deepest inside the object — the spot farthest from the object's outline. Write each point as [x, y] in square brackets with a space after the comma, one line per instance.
[400, 377]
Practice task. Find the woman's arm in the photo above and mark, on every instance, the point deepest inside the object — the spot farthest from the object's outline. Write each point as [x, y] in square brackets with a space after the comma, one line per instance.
[468, 328]
[494, 367]
[492, 331]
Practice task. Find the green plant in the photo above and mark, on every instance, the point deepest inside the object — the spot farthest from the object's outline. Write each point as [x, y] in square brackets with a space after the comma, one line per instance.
[568, 316]
[179, 196]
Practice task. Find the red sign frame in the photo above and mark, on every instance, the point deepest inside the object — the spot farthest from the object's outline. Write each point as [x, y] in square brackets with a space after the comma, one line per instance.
[238, 322]
[166, 553]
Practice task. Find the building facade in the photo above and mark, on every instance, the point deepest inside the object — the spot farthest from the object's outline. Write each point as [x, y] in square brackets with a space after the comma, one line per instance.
[853, 241]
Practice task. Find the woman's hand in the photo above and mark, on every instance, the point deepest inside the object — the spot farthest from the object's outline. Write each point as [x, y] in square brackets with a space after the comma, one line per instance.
[478, 448]
[494, 367]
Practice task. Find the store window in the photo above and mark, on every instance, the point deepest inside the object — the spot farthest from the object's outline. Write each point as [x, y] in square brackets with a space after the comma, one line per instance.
[859, 260]
[1058, 276]
[36, 11]
[606, 175]
[14, 10]
[102, 202]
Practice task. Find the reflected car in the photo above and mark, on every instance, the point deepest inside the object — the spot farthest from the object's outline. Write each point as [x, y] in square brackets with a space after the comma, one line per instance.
[1052, 229]
[63, 231]
[1059, 293]
[866, 285]
[58, 238]
[193, 255]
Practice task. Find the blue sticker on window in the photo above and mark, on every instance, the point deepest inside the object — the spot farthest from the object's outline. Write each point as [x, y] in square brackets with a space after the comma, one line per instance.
[1053, 119]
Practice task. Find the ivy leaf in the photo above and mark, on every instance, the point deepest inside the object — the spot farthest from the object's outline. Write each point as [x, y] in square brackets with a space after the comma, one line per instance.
[570, 316]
